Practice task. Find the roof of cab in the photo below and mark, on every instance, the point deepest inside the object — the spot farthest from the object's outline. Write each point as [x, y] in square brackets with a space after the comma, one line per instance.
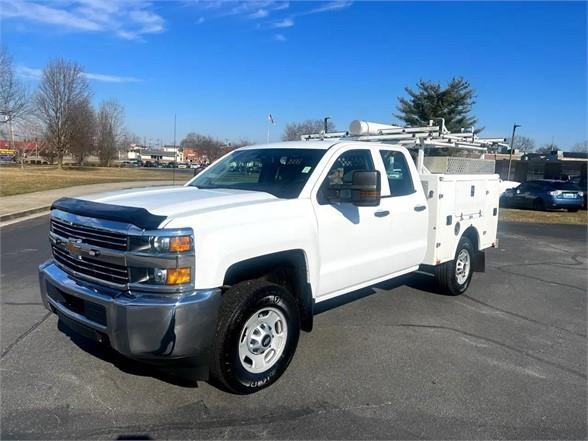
[319, 145]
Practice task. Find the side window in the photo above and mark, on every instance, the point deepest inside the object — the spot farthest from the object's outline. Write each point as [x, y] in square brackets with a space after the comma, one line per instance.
[342, 170]
[398, 173]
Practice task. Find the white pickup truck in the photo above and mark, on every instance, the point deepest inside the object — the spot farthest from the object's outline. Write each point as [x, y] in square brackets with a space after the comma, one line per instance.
[224, 272]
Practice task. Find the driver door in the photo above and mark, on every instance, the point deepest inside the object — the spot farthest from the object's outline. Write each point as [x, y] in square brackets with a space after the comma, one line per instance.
[350, 237]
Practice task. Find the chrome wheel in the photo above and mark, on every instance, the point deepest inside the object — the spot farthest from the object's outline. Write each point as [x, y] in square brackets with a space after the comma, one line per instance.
[462, 266]
[262, 340]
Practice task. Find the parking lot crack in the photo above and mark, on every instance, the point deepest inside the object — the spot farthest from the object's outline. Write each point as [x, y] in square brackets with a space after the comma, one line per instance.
[24, 334]
[551, 282]
[522, 317]
[497, 343]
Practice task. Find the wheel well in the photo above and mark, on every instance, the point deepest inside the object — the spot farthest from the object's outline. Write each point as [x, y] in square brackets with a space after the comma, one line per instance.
[285, 268]
[479, 264]
[472, 234]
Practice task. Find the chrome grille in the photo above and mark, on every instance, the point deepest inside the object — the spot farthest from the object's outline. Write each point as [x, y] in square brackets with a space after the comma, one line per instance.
[89, 235]
[97, 269]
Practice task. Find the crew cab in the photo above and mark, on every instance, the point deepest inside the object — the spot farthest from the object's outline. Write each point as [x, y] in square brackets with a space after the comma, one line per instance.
[224, 272]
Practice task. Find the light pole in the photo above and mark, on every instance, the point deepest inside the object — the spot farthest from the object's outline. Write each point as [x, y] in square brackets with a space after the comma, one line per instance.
[514, 129]
[175, 154]
[326, 123]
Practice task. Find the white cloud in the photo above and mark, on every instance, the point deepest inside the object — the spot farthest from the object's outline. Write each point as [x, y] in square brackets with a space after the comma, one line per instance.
[251, 9]
[129, 19]
[279, 37]
[260, 13]
[285, 23]
[110, 78]
[36, 74]
[29, 73]
[328, 6]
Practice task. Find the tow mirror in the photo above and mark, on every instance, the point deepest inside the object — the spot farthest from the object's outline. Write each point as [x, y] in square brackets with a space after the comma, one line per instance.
[365, 188]
[363, 191]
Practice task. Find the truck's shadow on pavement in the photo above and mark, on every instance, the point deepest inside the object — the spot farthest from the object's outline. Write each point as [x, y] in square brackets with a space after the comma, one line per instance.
[184, 376]
[177, 375]
[420, 281]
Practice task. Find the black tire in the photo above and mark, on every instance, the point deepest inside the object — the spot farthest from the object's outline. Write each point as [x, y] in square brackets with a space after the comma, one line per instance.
[538, 205]
[239, 304]
[573, 210]
[446, 272]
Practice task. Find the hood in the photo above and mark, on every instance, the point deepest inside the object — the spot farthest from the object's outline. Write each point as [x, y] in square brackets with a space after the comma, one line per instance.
[174, 201]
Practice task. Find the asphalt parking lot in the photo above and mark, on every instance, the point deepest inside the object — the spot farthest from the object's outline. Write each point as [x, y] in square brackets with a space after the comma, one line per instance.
[506, 360]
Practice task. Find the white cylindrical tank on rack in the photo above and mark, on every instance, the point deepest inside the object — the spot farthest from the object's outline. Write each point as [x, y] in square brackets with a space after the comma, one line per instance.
[363, 128]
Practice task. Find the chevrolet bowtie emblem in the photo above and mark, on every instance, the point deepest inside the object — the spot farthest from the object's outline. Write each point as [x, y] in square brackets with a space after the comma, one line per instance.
[73, 247]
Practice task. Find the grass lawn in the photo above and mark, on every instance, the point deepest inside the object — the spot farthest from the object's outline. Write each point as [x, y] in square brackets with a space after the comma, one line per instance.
[543, 217]
[14, 180]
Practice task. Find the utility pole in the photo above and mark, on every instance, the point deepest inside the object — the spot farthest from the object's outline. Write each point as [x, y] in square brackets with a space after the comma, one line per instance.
[514, 129]
[326, 119]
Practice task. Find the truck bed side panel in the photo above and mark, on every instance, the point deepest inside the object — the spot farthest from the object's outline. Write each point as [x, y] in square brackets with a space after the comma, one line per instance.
[456, 203]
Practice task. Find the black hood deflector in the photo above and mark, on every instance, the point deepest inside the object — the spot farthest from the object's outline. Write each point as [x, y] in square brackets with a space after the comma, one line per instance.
[131, 215]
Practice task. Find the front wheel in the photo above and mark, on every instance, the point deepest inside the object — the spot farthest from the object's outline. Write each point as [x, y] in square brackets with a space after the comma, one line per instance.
[257, 335]
[454, 277]
[573, 210]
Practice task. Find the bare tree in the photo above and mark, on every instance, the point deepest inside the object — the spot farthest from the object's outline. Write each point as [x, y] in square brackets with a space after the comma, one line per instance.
[14, 99]
[109, 130]
[580, 147]
[522, 144]
[129, 138]
[83, 141]
[294, 130]
[548, 148]
[63, 87]
[206, 145]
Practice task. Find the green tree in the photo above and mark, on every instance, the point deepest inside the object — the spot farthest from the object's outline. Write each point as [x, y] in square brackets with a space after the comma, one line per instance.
[430, 100]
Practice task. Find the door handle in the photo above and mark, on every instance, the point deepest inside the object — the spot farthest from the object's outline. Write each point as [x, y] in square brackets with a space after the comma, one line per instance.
[381, 213]
[420, 208]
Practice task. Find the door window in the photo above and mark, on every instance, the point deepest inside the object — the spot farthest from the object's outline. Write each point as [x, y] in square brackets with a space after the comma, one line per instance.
[341, 172]
[397, 172]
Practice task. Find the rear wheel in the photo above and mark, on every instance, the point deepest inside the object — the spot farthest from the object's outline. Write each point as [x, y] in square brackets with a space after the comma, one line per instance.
[256, 337]
[454, 277]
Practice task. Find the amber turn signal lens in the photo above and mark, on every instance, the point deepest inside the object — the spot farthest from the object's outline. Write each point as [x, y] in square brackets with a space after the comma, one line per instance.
[178, 276]
[179, 244]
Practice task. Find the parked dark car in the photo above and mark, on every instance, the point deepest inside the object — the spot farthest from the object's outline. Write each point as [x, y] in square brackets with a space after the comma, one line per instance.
[580, 181]
[544, 195]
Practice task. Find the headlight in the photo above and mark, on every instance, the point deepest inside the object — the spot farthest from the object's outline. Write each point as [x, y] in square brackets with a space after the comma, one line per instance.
[174, 244]
[171, 276]
[581, 194]
[555, 193]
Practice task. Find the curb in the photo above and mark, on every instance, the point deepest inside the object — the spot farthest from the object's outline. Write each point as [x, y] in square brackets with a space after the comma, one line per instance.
[24, 213]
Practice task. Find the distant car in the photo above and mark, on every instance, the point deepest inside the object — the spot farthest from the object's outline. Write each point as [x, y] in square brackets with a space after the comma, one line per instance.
[182, 165]
[148, 164]
[198, 169]
[580, 181]
[505, 185]
[544, 195]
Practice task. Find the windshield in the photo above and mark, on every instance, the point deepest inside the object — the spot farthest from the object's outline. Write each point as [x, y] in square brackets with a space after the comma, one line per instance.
[280, 172]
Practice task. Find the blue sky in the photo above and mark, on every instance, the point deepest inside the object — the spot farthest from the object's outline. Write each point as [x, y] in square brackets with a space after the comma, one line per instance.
[223, 66]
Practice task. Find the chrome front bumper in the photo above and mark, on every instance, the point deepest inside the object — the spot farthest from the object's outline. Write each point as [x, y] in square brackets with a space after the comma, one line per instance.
[139, 325]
